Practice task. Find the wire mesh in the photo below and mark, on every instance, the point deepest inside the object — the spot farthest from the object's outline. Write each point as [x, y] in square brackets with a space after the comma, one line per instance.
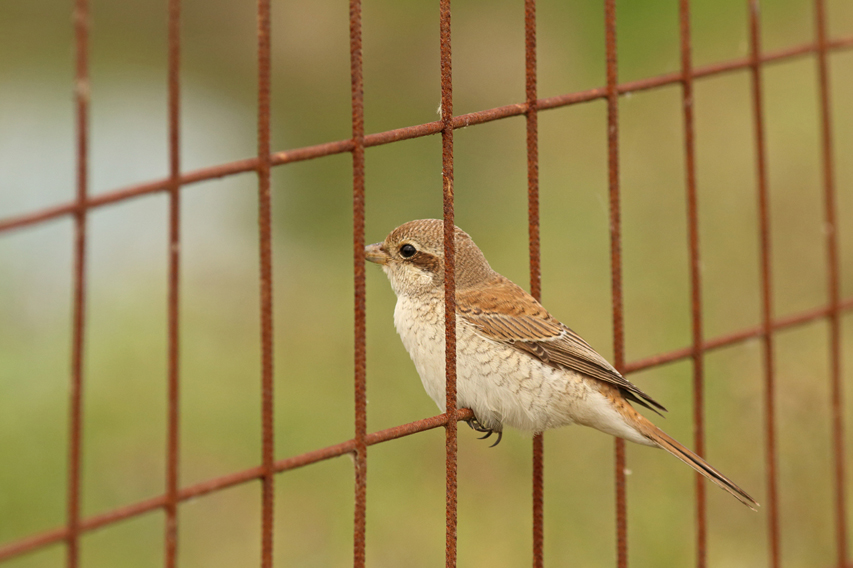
[174, 494]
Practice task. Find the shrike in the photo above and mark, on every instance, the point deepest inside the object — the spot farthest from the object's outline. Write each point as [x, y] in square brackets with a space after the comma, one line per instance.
[516, 364]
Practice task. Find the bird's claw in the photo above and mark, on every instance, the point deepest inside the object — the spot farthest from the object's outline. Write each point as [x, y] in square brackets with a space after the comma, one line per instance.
[477, 427]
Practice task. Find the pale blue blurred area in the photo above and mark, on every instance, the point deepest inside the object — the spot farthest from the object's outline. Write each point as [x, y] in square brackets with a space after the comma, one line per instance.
[127, 267]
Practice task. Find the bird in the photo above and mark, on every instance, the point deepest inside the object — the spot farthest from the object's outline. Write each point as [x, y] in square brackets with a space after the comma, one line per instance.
[516, 364]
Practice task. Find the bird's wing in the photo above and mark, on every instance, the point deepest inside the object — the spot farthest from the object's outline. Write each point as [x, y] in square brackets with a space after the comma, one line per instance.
[502, 311]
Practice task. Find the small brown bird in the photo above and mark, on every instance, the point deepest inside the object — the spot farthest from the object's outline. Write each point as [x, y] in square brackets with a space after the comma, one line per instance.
[516, 364]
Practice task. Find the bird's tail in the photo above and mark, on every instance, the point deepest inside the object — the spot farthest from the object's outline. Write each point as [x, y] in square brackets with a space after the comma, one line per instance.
[665, 441]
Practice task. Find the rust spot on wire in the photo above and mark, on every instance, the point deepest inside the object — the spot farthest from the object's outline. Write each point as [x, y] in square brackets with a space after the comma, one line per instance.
[616, 266]
[766, 283]
[81, 93]
[449, 280]
[172, 448]
[833, 279]
[265, 235]
[360, 379]
[695, 276]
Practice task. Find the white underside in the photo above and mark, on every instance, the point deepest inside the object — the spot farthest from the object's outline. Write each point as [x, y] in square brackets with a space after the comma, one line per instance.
[502, 385]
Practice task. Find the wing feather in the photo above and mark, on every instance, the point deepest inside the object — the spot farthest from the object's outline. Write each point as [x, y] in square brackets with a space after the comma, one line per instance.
[504, 312]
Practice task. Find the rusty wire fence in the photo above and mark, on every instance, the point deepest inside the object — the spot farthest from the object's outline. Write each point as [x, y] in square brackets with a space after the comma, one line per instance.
[821, 49]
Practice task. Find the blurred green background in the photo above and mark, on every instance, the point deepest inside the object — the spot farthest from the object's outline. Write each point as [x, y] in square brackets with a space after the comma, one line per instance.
[125, 359]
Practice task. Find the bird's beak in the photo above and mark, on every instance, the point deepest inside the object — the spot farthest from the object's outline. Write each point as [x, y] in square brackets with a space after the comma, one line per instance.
[375, 253]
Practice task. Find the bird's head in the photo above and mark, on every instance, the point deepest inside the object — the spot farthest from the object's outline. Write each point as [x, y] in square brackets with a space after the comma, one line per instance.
[412, 256]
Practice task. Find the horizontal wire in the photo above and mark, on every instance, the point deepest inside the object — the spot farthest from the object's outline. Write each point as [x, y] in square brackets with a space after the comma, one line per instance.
[224, 482]
[738, 336]
[202, 488]
[410, 132]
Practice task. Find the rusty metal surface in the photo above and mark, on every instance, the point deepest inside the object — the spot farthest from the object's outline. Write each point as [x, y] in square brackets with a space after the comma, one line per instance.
[265, 237]
[75, 428]
[766, 283]
[530, 109]
[777, 324]
[695, 276]
[359, 334]
[449, 281]
[535, 255]
[612, 94]
[833, 278]
[173, 377]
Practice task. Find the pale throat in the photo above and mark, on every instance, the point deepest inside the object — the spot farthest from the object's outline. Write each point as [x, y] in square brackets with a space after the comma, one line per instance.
[406, 281]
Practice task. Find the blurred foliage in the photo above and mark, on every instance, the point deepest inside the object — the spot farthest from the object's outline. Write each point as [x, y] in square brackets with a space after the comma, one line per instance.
[125, 364]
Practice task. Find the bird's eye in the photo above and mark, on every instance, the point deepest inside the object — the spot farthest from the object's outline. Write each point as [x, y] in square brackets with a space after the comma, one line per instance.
[407, 251]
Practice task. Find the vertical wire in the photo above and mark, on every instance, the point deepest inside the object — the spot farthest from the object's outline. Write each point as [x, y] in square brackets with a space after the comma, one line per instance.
[695, 277]
[173, 448]
[265, 230]
[357, 86]
[449, 283]
[81, 96]
[834, 290]
[616, 266]
[535, 269]
[766, 292]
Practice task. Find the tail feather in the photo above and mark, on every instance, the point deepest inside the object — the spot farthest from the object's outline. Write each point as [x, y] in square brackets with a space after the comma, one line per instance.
[663, 440]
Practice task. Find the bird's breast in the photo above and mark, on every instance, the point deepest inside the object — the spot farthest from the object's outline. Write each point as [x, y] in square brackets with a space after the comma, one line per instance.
[420, 324]
[501, 384]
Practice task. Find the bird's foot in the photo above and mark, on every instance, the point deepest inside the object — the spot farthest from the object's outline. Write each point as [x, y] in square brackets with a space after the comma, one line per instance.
[476, 426]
